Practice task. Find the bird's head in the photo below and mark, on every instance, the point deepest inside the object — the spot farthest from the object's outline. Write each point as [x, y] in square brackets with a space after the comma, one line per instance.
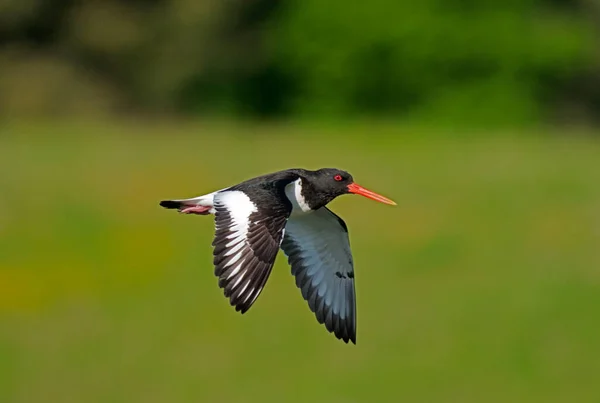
[332, 182]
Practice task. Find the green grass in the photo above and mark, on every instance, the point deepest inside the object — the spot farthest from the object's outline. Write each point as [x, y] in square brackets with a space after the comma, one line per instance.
[482, 285]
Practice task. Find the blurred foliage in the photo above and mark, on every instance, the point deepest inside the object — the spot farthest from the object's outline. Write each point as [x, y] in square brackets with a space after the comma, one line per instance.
[443, 60]
[489, 60]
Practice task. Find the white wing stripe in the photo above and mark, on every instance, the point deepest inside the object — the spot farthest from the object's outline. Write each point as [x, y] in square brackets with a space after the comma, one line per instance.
[234, 271]
[244, 248]
[237, 234]
[240, 208]
[234, 259]
[237, 281]
[240, 244]
[244, 289]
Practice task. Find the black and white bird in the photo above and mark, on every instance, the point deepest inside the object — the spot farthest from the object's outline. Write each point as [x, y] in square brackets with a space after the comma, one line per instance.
[287, 210]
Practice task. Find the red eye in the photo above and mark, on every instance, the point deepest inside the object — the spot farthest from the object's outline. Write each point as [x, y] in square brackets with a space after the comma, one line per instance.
[338, 177]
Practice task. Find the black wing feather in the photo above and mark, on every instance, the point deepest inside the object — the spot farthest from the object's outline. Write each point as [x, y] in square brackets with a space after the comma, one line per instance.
[243, 263]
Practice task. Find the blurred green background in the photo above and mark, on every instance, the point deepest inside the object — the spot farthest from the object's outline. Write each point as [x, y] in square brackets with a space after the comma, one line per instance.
[478, 118]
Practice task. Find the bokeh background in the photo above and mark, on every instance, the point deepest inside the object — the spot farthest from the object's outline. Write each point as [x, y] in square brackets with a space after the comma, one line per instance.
[480, 118]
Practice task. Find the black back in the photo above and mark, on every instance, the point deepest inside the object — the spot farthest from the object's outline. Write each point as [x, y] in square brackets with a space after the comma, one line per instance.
[318, 187]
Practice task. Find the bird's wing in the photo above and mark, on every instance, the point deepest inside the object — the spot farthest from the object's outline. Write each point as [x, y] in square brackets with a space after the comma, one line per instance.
[246, 242]
[318, 250]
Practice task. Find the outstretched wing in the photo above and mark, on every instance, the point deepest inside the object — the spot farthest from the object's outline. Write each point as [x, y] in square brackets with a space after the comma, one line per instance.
[246, 243]
[318, 251]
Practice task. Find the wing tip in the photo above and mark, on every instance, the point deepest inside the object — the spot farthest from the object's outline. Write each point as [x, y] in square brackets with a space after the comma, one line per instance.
[352, 340]
[344, 336]
[241, 308]
[242, 302]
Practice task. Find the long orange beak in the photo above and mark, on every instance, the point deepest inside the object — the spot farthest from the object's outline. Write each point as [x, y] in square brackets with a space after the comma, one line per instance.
[359, 190]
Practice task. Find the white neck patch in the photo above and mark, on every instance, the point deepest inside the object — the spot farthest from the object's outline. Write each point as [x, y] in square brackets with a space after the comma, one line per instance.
[293, 191]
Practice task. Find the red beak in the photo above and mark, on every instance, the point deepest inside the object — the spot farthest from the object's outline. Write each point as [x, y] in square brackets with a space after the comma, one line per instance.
[359, 190]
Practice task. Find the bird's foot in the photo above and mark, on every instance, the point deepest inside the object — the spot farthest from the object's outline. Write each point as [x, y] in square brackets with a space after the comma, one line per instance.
[200, 210]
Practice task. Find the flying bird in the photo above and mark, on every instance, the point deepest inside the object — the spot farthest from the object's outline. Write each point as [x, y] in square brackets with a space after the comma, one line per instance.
[287, 210]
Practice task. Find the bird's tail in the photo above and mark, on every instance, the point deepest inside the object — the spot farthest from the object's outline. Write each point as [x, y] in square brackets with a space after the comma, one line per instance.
[171, 204]
[202, 205]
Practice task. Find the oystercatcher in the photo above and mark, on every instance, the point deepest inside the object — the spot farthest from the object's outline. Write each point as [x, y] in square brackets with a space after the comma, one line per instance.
[287, 210]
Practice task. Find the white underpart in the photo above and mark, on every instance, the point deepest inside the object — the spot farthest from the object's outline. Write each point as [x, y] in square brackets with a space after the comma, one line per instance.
[293, 192]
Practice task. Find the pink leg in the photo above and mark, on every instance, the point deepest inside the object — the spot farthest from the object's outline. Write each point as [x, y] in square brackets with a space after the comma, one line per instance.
[201, 210]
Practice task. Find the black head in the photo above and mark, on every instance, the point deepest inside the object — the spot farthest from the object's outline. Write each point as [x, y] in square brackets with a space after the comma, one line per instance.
[328, 183]
[332, 181]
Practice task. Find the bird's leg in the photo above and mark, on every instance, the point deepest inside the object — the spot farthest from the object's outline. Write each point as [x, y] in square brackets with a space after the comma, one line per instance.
[201, 210]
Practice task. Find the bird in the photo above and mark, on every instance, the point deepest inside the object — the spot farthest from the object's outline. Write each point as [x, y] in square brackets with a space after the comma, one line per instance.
[285, 210]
